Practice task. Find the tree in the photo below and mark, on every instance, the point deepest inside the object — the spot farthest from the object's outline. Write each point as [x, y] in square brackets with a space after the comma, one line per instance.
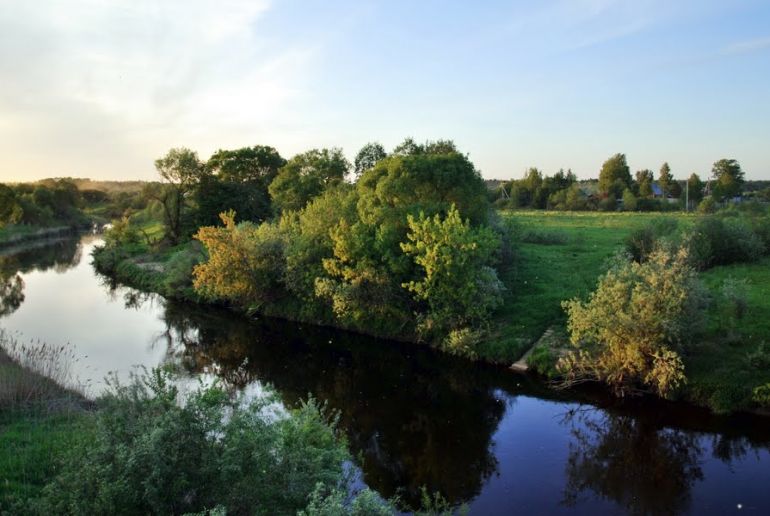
[614, 171]
[181, 170]
[259, 163]
[457, 283]
[628, 333]
[369, 155]
[665, 179]
[728, 179]
[11, 211]
[695, 189]
[644, 179]
[629, 200]
[305, 176]
[237, 180]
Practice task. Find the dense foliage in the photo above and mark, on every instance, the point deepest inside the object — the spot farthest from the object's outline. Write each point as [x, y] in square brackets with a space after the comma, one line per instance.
[155, 451]
[55, 201]
[405, 252]
[630, 331]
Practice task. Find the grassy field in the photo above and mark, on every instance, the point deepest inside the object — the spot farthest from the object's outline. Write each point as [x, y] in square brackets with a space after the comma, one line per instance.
[559, 255]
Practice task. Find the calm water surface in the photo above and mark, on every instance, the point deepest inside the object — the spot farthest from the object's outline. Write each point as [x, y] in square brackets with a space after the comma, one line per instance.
[500, 442]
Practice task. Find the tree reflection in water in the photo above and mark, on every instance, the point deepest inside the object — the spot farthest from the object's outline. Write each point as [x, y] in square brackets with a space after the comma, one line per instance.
[60, 255]
[640, 466]
[416, 418]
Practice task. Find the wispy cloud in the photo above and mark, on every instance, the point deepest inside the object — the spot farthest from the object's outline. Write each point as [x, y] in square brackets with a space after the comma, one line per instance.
[743, 47]
[137, 76]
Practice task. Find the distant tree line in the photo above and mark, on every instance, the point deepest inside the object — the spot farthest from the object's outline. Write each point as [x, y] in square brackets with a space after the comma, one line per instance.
[617, 189]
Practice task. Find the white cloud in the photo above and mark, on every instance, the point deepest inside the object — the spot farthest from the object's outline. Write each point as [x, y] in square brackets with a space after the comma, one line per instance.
[742, 47]
[136, 77]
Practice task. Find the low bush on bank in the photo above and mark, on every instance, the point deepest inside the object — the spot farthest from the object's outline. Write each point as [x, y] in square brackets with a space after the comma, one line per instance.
[630, 332]
[155, 451]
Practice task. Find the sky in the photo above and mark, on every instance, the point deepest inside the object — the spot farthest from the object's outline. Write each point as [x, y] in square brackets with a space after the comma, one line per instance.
[100, 88]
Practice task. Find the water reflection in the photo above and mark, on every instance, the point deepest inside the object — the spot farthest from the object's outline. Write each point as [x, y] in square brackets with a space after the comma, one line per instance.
[417, 421]
[644, 469]
[60, 255]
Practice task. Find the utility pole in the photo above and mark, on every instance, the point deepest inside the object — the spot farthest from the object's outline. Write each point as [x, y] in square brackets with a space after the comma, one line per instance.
[687, 196]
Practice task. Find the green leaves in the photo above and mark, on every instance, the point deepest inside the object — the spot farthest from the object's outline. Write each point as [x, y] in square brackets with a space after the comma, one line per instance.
[456, 283]
[627, 333]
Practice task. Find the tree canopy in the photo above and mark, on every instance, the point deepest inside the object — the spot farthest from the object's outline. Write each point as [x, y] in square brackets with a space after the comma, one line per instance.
[614, 176]
[728, 179]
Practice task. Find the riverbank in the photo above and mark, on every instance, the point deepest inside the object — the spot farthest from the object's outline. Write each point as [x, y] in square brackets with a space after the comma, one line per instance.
[20, 234]
[559, 256]
[39, 422]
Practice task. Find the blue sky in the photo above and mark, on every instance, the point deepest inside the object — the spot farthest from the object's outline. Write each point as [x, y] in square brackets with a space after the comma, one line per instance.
[101, 89]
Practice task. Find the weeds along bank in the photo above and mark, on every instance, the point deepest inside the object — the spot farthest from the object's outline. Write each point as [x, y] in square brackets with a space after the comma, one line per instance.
[146, 448]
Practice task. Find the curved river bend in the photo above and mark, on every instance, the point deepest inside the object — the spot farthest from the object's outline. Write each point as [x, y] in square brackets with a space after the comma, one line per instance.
[498, 441]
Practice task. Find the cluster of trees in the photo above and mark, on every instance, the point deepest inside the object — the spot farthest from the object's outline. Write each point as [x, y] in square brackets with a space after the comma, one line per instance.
[43, 203]
[617, 187]
[406, 250]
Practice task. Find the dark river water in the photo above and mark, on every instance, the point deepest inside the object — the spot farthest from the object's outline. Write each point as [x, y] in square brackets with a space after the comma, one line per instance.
[500, 442]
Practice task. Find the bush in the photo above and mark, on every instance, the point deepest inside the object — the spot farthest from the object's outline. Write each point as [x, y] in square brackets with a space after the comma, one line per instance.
[245, 265]
[178, 274]
[543, 361]
[155, 452]
[707, 205]
[643, 241]
[628, 333]
[761, 395]
[717, 241]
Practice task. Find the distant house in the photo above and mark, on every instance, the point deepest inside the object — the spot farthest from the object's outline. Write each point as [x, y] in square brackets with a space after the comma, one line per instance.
[657, 191]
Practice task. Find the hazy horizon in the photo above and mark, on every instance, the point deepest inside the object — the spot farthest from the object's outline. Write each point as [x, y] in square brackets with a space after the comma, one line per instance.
[100, 90]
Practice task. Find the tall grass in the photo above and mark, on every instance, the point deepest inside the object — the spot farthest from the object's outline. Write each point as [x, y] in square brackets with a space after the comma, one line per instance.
[36, 373]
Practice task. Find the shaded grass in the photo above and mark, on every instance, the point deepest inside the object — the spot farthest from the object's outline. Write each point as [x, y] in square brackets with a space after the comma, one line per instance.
[720, 372]
[39, 420]
[559, 255]
[33, 440]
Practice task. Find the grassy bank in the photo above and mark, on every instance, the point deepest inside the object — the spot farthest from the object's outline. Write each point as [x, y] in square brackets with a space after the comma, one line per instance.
[39, 421]
[558, 256]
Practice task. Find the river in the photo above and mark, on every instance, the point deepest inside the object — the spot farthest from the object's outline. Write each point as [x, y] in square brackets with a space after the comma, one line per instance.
[501, 442]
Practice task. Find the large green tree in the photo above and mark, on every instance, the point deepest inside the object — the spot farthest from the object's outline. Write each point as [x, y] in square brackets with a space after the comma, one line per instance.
[369, 155]
[181, 170]
[695, 189]
[258, 163]
[305, 176]
[728, 179]
[237, 180]
[614, 176]
[644, 179]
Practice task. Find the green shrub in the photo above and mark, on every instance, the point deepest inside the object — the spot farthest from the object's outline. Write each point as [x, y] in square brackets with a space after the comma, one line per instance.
[462, 342]
[629, 332]
[178, 271]
[707, 205]
[719, 241]
[155, 452]
[761, 395]
[543, 361]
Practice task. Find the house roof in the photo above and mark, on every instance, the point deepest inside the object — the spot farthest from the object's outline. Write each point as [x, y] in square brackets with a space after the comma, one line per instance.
[656, 189]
